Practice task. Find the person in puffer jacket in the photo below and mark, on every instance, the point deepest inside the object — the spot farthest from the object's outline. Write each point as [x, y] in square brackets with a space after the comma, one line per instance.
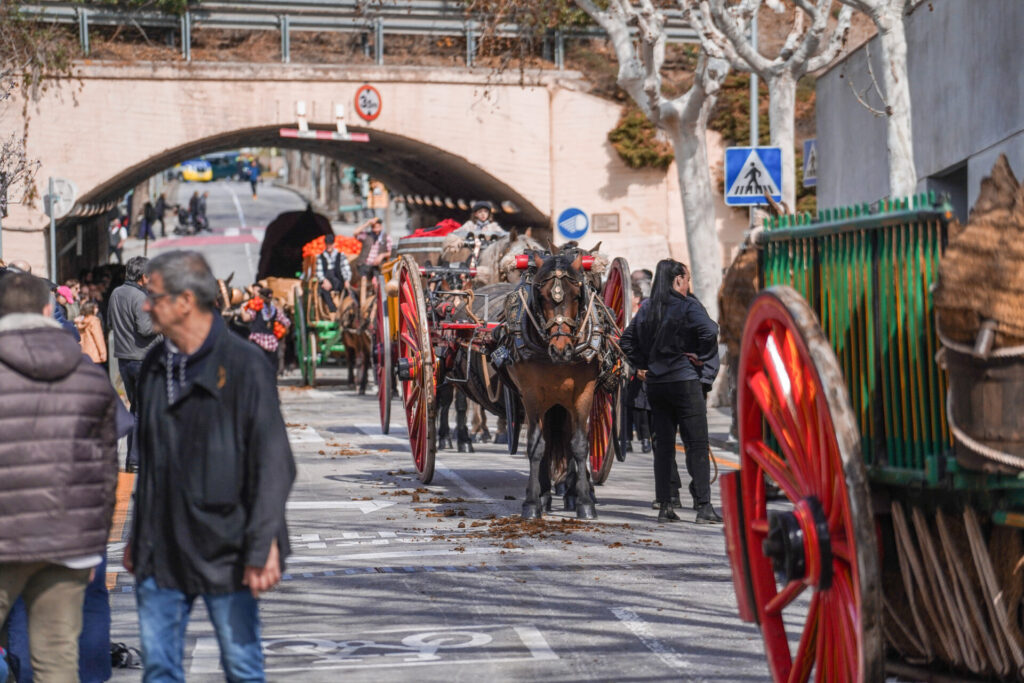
[58, 472]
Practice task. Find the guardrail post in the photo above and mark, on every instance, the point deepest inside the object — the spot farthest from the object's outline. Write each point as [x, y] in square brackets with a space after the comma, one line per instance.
[470, 44]
[559, 50]
[83, 30]
[186, 36]
[286, 41]
[378, 40]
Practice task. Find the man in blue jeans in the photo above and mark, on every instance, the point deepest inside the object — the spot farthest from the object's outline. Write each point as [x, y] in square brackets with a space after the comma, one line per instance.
[215, 470]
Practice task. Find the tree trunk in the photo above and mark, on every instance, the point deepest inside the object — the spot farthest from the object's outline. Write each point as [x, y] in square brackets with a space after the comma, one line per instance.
[782, 109]
[899, 137]
[699, 209]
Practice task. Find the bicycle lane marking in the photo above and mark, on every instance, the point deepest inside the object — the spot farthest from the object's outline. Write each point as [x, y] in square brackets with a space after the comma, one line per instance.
[387, 649]
[642, 630]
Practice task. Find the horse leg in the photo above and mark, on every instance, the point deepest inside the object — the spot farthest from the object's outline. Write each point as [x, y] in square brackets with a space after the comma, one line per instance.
[364, 364]
[533, 506]
[444, 402]
[580, 446]
[465, 444]
[569, 487]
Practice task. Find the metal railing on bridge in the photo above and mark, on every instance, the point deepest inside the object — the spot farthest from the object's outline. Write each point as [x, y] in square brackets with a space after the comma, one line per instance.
[408, 17]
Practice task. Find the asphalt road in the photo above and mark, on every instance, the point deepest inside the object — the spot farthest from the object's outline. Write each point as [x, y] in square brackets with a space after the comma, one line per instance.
[392, 580]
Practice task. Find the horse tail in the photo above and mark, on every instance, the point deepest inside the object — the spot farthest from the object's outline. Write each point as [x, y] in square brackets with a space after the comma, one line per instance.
[558, 442]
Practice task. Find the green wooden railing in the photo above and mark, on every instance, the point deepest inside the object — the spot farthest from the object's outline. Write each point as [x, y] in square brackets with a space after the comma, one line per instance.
[868, 273]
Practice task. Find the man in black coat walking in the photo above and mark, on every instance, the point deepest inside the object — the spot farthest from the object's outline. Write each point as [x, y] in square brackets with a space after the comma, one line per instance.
[215, 470]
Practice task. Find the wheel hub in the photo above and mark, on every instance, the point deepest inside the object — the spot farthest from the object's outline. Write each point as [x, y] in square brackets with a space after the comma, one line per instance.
[798, 544]
[406, 370]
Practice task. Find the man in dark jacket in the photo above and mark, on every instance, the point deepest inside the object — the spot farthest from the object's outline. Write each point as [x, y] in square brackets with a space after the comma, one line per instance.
[215, 470]
[134, 335]
[333, 272]
[59, 417]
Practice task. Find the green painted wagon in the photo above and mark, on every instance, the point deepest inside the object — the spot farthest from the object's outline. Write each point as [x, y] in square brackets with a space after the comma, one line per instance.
[860, 543]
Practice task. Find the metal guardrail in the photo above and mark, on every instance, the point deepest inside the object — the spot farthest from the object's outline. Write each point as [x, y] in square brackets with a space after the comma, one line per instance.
[396, 17]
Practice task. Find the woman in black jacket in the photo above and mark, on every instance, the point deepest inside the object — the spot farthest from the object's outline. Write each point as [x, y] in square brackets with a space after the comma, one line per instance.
[664, 343]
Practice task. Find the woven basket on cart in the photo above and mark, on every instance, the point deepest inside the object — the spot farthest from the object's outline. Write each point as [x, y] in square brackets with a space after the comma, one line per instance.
[981, 283]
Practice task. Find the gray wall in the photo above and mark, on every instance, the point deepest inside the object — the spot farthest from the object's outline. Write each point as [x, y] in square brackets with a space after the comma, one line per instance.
[967, 94]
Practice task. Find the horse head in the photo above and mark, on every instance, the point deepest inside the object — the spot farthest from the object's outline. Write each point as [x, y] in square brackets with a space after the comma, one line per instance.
[558, 289]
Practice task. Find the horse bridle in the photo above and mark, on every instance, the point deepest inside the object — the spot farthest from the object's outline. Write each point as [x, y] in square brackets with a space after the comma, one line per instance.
[560, 275]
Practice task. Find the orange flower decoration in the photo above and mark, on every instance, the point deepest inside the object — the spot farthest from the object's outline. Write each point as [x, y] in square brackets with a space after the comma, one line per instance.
[254, 304]
[349, 246]
[279, 330]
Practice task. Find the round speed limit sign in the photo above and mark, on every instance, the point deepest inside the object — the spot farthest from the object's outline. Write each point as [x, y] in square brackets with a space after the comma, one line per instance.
[368, 102]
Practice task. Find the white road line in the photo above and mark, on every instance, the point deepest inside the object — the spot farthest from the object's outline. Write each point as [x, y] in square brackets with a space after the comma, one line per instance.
[238, 205]
[534, 640]
[364, 506]
[248, 262]
[462, 483]
[303, 435]
[327, 559]
[642, 631]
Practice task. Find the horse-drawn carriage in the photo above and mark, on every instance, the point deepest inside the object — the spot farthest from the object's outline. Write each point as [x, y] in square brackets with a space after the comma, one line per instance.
[436, 328]
[884, 542]
[322, 335]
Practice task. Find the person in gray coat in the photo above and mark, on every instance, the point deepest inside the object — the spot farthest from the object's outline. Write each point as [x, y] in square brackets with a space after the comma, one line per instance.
[59, 417]
[134, 335]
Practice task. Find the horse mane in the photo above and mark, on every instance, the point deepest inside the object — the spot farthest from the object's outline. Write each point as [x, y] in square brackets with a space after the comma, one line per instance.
[498, 259]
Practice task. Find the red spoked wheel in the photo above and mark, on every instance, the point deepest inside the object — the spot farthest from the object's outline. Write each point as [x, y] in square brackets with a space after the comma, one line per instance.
[416, 367]
[602, 435]
[606, 416]
[822, 536]
[382, 354]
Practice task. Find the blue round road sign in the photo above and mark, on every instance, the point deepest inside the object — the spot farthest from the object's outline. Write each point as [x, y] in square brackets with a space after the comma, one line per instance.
[572, 224]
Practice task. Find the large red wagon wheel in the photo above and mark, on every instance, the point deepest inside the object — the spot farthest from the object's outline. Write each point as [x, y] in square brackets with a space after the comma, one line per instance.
[416, 367]
[606, 416]
[822, 537]
[382, 355]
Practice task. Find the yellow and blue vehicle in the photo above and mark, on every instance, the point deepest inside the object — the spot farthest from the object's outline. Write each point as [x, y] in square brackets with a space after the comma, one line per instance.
[194, 170]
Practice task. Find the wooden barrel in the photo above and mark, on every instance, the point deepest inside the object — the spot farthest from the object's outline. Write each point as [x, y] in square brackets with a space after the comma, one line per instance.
[984, 404]
[425, 250]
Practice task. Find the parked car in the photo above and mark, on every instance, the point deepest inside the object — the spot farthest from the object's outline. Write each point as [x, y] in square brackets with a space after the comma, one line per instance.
[194, 170]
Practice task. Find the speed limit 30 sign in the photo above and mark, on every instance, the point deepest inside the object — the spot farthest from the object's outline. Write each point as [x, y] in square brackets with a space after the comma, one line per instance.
[368, 102]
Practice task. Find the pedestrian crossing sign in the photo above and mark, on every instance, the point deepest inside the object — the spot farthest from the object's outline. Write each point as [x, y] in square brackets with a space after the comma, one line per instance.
[750, 172]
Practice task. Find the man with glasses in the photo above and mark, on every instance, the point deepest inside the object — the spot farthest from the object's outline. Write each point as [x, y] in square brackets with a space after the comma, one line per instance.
[215, 472]
[134, 335]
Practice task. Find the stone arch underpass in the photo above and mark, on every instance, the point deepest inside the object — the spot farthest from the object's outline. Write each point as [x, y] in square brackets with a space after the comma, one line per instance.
[536, 140]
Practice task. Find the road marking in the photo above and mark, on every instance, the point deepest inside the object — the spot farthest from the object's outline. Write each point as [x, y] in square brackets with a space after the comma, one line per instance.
[248, 262]
[238, 205]
[462, 483]
[364, 506]
[534, 641]
[386, 648]
[394, 554]
[301, 435]
[232, 232]
[642, 631]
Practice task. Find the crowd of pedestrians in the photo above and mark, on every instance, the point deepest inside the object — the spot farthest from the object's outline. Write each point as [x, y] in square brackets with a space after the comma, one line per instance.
[214, 466]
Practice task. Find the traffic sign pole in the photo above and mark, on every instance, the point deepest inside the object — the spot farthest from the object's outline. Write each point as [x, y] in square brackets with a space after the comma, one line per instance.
[53, 234]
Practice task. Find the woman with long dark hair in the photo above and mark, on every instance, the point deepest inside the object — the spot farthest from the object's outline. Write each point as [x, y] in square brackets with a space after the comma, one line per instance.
[664, 343]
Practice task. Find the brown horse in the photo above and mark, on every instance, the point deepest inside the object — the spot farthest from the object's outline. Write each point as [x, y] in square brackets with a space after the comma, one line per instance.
[555, 382]
[355, 319]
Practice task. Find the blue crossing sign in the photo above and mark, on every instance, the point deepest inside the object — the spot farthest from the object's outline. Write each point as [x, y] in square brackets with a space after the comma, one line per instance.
[572, 224]
[750, 172]
[811, 162]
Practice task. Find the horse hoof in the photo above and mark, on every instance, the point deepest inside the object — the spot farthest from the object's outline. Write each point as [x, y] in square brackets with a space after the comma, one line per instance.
[547, 502]
[444, 443]
[569, 503]
[531, 511]
[466, 447]
[586, 511]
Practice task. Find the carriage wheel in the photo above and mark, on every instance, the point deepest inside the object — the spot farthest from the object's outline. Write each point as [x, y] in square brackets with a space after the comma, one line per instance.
[300, 335]
[416, 368]
[313, 358]
[601, 436]
[606, 419]
[382, 356]
[822, 538]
